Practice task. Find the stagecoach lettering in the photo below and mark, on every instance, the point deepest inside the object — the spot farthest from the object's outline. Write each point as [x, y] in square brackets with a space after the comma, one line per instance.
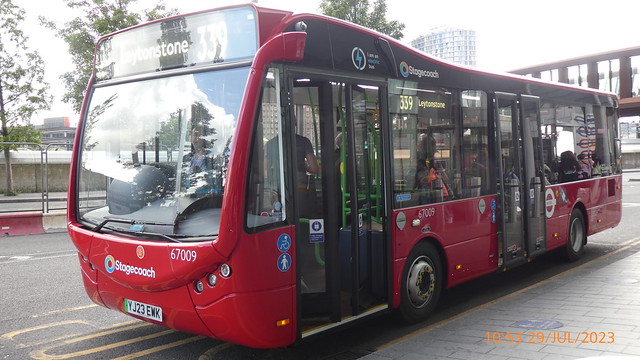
[425, 213]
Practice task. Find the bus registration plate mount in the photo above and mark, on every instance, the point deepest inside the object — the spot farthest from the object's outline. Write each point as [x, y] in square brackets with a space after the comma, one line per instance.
[142, 309]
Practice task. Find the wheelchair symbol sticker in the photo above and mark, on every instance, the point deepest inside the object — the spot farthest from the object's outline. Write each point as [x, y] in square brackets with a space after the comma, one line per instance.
[284, 242]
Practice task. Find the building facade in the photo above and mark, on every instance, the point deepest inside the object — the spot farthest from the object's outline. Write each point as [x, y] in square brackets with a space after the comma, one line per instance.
[57, 130]
[450, 44]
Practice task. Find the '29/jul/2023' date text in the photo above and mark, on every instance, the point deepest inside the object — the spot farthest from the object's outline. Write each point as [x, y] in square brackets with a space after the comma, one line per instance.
[551, 337]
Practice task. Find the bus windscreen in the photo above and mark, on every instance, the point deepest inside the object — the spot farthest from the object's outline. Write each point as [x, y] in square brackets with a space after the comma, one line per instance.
[154, 153]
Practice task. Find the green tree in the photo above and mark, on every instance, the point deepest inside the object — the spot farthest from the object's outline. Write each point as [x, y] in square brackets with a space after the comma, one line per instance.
[23, 90]
[99, 17]
[357, 11]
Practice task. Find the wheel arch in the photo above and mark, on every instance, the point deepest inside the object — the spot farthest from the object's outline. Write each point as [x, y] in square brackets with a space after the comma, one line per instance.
[444, 261]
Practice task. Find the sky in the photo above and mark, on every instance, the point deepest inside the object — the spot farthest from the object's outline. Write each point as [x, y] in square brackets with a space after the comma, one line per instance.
[510, 34]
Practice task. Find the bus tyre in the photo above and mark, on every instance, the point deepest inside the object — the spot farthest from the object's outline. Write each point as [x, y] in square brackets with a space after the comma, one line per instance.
[577, 235]
[421, 283]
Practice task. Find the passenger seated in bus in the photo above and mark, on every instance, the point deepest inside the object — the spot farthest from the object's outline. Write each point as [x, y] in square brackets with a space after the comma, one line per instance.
[432, 179]
[597, 165]
[586, 164]
[477, 164]
[306, 167]
[569, 168]
[426, 146]
[546, 174]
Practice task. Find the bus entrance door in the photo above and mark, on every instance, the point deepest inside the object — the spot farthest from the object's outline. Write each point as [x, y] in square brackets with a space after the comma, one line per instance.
[520, 184]
[341, 255]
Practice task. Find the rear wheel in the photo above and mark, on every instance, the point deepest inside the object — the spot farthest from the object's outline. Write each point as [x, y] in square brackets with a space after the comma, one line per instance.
[577, 235]
[421, 283]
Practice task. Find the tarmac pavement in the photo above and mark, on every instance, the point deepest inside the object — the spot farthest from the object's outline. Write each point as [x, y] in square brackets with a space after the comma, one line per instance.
[589, 312]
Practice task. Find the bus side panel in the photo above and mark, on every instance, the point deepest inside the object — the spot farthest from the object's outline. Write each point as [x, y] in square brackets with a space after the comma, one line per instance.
[471, 258]
[465, 230]
[557, 225]
[250, 318]
[609, 213]
[561, 199]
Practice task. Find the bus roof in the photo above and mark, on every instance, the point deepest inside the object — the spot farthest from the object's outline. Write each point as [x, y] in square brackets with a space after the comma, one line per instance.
[201, 38]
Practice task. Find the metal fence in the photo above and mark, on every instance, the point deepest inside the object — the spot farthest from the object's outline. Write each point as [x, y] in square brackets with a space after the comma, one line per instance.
[44, 198]
[629, 130]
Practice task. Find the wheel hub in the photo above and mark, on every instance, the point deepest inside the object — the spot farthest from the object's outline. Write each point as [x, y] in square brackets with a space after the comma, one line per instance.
[421, 282]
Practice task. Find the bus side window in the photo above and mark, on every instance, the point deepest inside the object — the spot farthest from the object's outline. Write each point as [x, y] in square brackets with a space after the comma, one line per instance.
[265, 203]
[568, 132]
[475, 151]
[424, 146]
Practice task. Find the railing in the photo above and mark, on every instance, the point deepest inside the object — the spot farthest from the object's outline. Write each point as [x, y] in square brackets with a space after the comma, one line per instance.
[44, 175]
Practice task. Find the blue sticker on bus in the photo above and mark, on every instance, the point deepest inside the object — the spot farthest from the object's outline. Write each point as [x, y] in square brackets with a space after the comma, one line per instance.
[284, 262]
[316, 230]
[403, 197]
[284, 242]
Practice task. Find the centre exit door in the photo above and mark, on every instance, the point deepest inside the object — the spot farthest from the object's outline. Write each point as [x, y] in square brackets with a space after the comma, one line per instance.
[520, 185]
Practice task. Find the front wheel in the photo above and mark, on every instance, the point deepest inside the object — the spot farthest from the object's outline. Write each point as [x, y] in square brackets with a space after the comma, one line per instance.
[421, 283]
[577, 235]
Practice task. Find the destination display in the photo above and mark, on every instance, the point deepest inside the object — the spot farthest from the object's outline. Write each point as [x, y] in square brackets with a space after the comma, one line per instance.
[191, 40]
[406, 97]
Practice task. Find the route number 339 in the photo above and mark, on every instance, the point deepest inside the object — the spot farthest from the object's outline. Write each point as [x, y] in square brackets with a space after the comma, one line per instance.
[406, 102]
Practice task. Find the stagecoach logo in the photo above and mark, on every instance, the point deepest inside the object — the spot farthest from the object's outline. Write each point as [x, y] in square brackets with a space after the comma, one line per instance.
[406, 70]
[140, 252]
[359, 59]
[111, 265]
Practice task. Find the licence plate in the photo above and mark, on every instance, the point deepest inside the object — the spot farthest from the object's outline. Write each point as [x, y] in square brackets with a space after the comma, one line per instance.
[142, 309]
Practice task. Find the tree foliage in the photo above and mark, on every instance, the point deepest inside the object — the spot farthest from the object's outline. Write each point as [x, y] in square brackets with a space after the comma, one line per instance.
[23, 90]
[99, 17]
[357, 11]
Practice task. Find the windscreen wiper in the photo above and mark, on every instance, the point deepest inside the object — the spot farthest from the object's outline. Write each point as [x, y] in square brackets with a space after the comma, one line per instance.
[127, 221]
[133, 222]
